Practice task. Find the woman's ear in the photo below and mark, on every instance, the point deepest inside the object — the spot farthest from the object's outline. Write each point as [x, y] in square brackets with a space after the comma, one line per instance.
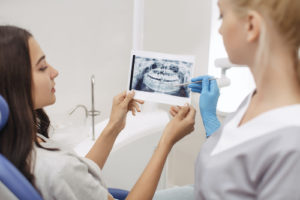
[253, 26]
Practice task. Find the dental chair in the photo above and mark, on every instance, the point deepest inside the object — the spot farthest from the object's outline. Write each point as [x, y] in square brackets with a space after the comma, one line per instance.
[13, 184]
[118, 193]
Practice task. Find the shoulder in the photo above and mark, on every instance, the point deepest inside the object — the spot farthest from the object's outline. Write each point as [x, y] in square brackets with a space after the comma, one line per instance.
[280, 166]
[60, 174]
[286, 139]
[51, 166]
[63, 163]
[55, 160]
[276, 142]
[277, 149]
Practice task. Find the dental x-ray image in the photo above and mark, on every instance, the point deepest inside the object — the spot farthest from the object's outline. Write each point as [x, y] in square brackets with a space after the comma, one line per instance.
[157, 77]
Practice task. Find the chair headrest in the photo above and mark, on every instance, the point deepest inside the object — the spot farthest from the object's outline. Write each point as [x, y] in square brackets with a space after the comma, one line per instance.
[4, 112]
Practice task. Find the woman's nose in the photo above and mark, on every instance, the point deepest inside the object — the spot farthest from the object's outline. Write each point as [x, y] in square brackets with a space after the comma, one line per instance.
[54, 73]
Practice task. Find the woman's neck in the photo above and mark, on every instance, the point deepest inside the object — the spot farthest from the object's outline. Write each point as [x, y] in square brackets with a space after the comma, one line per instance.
[277, 85]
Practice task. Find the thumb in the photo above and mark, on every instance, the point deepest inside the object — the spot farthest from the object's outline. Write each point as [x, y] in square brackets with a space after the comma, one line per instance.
[214, 87]
[183, 112]
[129, 97]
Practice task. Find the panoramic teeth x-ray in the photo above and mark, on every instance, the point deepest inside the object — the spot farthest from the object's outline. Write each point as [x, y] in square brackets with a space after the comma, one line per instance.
[161, 75]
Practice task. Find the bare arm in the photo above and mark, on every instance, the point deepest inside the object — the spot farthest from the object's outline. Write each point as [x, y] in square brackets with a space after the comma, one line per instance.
[110, 197]
[180, 126]
[147, 183]
[122, 103]
[103, 145]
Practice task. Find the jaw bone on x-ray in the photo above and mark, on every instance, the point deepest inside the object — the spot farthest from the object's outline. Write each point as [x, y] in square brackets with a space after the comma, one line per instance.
[156, 76]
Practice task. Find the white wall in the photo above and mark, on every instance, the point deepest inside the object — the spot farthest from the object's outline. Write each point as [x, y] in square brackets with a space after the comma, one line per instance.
[181, 27]
[81, 38]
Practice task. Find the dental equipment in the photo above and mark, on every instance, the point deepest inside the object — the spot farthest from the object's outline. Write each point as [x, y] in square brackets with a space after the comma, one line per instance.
[224, 81]
[187, 83]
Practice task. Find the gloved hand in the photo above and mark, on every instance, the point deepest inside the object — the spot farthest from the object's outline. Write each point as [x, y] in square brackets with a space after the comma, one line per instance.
[208, 100]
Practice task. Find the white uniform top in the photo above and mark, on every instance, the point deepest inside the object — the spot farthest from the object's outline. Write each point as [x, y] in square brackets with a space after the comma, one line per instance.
[259, 160]
[62, 175]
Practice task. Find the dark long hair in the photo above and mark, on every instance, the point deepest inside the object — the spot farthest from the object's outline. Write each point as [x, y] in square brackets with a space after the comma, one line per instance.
[19, 135]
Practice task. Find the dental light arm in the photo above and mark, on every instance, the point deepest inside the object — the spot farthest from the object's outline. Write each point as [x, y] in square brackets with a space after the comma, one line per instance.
[224, 64]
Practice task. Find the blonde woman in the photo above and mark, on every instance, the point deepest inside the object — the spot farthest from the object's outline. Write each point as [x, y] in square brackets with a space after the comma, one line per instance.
[255, 154]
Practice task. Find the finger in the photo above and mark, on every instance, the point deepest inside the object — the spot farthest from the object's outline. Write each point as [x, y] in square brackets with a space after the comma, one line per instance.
[128, 98]
[214, 86]
[175, 108]
[196, 91]
[196, 87]
[192, 113]
[183, 112]
[134, 105]
[133, 111]
[172, 113]
[205, 85]
[198, 78]
[139, 101]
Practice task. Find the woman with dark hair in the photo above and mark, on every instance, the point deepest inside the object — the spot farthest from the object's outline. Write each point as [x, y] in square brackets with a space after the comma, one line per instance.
[27, 84]
[16, 139]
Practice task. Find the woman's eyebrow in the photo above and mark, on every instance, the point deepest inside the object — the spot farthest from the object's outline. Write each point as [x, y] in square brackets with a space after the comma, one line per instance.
[41, 58]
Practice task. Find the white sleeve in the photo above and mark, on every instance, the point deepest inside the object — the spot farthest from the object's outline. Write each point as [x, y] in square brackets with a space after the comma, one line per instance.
[75, 181]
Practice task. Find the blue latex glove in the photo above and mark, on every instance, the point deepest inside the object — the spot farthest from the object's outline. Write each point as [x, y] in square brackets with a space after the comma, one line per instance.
[208, 100]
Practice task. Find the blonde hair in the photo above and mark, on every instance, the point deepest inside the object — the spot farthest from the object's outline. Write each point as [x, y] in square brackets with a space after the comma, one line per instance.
[285, 17]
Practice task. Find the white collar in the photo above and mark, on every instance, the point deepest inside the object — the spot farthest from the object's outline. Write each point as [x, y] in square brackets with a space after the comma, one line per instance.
[263, 124]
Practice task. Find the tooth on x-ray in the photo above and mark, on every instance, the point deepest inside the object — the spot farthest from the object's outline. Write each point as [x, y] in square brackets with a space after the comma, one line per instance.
[161, 75]
[158, 76]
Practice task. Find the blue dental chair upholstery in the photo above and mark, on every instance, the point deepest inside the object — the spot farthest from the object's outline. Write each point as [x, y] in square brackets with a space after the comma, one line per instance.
[13, 184]
[118, 193]
[4, 112]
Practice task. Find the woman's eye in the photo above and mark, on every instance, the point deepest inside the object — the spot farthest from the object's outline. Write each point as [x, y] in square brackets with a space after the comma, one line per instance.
[221, 16]
[43, 68]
